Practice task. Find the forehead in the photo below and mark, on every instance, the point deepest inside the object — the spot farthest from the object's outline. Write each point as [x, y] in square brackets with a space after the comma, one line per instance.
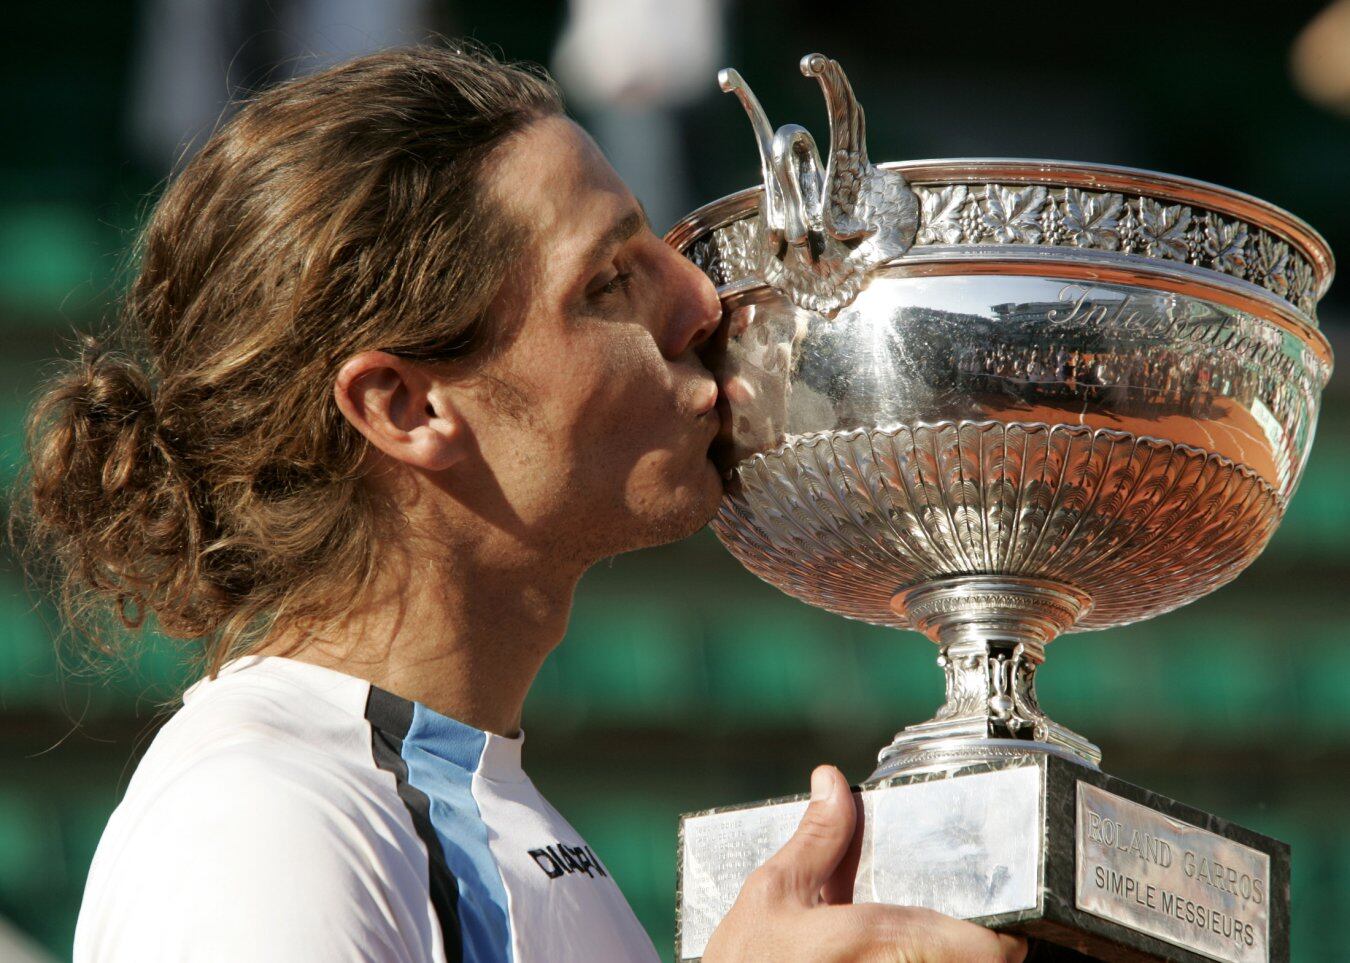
[554, 178]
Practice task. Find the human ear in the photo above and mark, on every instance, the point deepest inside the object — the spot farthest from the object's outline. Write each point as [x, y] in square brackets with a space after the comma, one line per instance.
[398, 407]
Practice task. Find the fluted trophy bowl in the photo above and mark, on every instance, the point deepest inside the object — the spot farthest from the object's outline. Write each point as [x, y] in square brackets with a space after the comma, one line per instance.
[996, 401]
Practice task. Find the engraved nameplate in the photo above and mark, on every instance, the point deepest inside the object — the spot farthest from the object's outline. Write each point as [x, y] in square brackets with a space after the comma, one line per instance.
[1166, 878]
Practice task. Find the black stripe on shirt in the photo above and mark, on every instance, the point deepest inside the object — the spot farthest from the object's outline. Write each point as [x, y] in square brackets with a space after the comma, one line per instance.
[390, 717]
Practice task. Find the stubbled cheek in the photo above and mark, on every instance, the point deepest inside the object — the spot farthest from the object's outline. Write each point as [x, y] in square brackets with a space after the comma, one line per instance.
[638, 375]
[614, 391]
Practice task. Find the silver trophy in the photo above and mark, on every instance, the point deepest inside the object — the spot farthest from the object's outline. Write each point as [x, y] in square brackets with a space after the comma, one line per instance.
[996, 401]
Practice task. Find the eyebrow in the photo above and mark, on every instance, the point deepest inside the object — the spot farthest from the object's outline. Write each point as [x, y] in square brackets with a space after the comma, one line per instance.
[618, 232]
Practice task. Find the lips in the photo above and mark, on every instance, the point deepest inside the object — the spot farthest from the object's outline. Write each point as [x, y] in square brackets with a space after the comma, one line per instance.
[706, 396]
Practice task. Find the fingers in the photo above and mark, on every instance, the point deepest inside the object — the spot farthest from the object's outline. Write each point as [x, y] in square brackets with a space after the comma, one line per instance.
[838, 889]
[809, 858]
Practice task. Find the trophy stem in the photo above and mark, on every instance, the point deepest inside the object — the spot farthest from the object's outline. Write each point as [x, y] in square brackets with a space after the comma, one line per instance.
[991, 631]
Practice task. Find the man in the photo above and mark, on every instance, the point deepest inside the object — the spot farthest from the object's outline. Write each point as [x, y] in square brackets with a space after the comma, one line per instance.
[404, 358]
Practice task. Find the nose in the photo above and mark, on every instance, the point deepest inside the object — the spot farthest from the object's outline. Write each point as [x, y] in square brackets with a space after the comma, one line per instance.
[696, 310]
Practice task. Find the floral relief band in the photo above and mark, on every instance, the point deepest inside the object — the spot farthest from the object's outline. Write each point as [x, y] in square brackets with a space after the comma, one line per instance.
[1031, 214]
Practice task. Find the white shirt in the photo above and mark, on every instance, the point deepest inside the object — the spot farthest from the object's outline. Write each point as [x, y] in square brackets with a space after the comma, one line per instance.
[291, 812]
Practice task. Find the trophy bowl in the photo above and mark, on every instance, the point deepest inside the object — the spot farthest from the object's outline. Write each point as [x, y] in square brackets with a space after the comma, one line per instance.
[996, 401]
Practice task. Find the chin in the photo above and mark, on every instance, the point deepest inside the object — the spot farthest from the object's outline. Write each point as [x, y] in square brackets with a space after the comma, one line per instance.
[685, 510]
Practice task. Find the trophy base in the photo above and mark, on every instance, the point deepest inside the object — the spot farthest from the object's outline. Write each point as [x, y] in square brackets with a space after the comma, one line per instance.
[1085, 865]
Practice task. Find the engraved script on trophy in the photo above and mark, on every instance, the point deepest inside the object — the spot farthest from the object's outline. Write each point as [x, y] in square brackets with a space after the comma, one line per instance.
[817, 233]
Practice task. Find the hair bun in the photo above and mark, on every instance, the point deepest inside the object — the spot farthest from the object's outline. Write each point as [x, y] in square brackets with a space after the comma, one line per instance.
[114, 386]
[95, 451]
[111, 414]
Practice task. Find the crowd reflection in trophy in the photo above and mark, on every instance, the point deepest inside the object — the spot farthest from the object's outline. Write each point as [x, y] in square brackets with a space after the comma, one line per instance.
[1133, 377]
[1061, 374]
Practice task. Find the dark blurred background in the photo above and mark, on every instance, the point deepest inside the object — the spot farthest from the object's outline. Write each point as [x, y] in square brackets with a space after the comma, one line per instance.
[684, 682]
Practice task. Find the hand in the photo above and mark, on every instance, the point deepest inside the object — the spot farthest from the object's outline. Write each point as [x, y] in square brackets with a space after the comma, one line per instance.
[782, 915]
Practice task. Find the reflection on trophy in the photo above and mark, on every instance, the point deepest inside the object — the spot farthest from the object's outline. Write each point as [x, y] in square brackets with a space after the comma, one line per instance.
[996, 401]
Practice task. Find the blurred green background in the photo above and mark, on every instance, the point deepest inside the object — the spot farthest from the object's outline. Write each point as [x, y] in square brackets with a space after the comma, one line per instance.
[685, 683]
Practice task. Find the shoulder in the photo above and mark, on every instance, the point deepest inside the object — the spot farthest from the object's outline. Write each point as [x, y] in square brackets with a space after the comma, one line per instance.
[258, 834]
[246, 798]
[278, 723]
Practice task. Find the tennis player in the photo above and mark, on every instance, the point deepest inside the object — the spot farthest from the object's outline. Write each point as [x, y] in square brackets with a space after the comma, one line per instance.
[403, 358]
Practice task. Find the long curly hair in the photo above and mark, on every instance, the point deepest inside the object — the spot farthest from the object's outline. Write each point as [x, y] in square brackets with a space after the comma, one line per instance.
[192, 463]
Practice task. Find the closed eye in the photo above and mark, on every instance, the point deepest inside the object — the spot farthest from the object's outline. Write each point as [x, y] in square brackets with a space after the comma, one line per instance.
[615, 284]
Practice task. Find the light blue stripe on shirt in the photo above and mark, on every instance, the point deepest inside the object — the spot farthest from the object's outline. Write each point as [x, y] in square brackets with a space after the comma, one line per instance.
[442, 756]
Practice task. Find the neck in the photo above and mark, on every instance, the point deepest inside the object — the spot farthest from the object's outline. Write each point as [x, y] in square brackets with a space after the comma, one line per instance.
[462, 632]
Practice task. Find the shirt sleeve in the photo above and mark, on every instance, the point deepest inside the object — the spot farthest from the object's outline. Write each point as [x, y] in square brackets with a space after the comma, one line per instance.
[260, 858]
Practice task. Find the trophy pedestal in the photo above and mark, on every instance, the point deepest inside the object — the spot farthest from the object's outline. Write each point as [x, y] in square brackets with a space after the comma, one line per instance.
[1087, 866]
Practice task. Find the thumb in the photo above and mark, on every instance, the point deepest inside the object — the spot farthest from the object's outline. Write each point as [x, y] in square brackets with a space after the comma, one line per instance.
[811, 855]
